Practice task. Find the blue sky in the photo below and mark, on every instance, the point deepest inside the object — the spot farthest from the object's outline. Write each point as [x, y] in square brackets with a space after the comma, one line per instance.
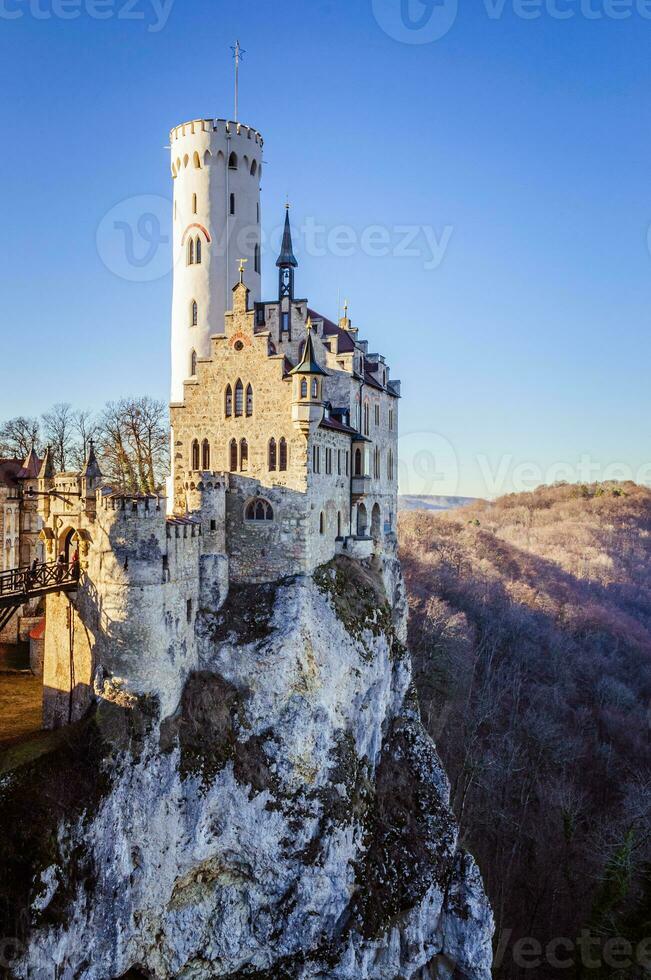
[513, 151]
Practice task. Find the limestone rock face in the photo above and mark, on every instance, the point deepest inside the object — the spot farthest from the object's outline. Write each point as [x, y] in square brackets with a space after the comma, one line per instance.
[291, 818]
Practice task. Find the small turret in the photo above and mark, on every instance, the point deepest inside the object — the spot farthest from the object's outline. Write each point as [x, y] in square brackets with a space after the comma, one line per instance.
[307, 380]
[91, 475]
[286, 262]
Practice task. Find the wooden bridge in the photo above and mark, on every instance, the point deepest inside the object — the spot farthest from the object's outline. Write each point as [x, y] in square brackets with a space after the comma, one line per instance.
[20, 585]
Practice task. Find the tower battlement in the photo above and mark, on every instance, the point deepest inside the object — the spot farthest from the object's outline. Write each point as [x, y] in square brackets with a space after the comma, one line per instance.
[226, 126]
[132, 506]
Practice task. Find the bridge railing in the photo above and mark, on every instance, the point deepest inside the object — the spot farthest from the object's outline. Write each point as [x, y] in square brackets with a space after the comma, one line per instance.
[47, 575]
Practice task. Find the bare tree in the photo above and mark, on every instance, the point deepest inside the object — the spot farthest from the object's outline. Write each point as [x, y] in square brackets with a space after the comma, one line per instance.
[134, 446]
[87, 428]
[18, 436]
[59, 431]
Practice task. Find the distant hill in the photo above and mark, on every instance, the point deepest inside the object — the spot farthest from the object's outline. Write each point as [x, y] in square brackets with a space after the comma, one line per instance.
[530, 629]
[432, 502]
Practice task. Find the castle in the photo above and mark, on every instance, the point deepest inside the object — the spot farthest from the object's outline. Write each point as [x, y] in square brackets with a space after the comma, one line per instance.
[283, 443]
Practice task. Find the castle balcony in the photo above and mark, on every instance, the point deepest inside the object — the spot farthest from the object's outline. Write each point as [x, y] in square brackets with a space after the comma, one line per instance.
[361, 486]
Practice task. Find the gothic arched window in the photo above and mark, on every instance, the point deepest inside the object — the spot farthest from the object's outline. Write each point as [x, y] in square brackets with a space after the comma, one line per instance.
[390, 464]
[259, 510]
[233, 456]
[191, 251]
[194, 463]
[254, 168]
[315, 388]
[283, 455]
[272, 454]
[249, 400]
[193, 364]
[198, 251]
[232, 161]
[228, 401]
[194, 313]
[303, 388]
[358, 462]
[239, 398]
[205, 455]
[244, 455]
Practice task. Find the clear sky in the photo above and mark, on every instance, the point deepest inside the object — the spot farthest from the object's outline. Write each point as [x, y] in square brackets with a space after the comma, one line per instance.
[475, 181]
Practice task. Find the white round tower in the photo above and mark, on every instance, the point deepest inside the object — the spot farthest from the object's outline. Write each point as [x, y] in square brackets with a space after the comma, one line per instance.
[216, 169]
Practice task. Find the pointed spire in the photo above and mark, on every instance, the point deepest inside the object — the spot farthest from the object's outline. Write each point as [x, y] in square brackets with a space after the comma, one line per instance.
[308, 364]
[46, 471]
[287, 259]
[91, 468]
[31, 466]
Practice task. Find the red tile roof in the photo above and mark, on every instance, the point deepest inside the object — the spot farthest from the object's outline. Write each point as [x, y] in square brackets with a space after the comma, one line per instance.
[330, 329]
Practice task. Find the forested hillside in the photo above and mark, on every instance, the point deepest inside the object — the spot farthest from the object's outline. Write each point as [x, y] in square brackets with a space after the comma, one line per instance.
[531, 633]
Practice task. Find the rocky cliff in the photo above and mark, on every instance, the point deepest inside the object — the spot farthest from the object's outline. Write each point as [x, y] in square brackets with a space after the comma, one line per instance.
[290, 819]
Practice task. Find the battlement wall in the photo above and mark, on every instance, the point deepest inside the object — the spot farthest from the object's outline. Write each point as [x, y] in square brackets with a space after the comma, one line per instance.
[224, 127]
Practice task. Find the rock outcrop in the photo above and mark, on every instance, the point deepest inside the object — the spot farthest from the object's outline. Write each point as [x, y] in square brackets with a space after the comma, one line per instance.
[291, 818]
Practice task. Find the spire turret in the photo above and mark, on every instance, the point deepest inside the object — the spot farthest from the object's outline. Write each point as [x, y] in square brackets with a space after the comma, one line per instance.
[286, 261]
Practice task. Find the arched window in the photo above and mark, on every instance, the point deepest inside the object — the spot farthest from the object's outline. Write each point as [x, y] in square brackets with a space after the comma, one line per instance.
[256, 258]
[232, 161]
[191, 251]
[196, 161]
[239, 398]
[207, 157]
[228, 401]
[194, 204]
[254, 168]
[376, 463]
[194, 462]
[244, 455]
[205, 455]
[194, 313]
[321, 523]
[315, 388]
[366, 419]
[390, 464]
[193, 364]
[272, 454]
[232, 461]
[232, 204]
[186, 160]
[338, 523]
[259, 510]
[198, 250]
[249, 401]
[282, 455]
[303, 388]
[358, 462]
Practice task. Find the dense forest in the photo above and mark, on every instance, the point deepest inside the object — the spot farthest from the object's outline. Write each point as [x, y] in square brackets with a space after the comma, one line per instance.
[531, 633]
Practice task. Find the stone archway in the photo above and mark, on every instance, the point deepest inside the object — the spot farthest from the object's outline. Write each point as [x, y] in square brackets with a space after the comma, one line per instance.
[362, 520]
